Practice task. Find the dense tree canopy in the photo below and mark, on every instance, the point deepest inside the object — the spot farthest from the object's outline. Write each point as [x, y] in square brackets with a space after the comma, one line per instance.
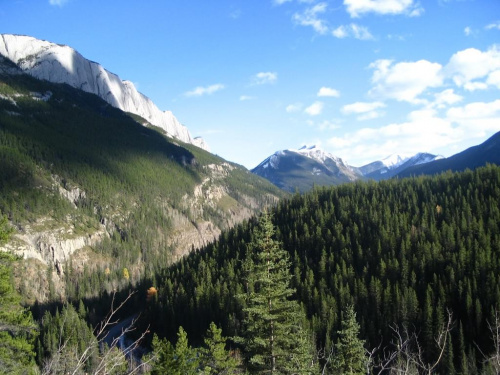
[18, 331]
[402, 252]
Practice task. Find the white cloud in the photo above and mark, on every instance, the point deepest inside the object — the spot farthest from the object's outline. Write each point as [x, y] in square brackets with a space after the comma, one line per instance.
[296, 107]
[467, 66]
[310, 18]
[365, 110]
[208, 90]
[329, 92]
[58, 2]
[494, 25]
[357, 8]
[352, 30]
[423, 129]
[478, 117]
[280, 2]
[404, 81]
[263, 78]
[467, 31]
[315, 109]
[246, 97]
[362, 107]
[370, 115]
[494, 79]
[446, 98]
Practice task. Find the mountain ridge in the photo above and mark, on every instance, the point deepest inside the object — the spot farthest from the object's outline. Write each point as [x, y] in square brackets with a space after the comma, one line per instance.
[63, 64]
[304, 168]
[90, 190]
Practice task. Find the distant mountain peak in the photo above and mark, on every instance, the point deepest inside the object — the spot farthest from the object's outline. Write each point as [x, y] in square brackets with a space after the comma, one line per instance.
[394, 164]
[62, 64]
[395, 160]
[305, 167]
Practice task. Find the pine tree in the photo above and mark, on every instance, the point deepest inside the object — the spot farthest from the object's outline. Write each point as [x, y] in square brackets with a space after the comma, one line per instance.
[274, 341]
[350, 355]
[214, 357]
[17, 328]
[170, 360]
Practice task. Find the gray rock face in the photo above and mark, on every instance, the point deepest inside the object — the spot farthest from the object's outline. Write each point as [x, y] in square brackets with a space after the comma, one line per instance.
[62, 64]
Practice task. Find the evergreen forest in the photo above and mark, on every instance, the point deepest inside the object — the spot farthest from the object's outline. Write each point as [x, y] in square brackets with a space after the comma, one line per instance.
[416, 257]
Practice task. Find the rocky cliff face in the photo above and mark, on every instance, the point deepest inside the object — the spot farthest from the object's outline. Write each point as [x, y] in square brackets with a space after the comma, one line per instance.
[62, 64]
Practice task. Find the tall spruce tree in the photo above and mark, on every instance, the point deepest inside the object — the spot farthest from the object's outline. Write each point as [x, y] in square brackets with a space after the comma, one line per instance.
[215, 359]
[275, 340]
[350, 355]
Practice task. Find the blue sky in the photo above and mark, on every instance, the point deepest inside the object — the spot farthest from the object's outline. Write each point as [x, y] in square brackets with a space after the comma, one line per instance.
[362, 79]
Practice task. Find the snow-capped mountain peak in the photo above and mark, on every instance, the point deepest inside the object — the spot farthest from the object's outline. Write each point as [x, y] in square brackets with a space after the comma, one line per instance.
[394, 160]
[314, 152]
[302, 168]
[393, 164]
[62, 64]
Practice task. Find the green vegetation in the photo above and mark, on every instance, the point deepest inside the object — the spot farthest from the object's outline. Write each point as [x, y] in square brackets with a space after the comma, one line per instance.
[114, 172]
[182, 359]
[274, 339]
[402, 252]
[349, 351]
[66, 342]
[17, 328]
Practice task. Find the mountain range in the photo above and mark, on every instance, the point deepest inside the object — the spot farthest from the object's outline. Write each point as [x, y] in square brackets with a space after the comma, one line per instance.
[310, 166]
[307, 167]
[91, 169]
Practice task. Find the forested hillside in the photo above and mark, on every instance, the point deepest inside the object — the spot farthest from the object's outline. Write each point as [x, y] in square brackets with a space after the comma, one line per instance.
[97, 200]
[404, 253]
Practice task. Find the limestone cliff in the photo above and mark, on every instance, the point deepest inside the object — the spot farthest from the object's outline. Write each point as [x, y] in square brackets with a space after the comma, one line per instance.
[62, 64]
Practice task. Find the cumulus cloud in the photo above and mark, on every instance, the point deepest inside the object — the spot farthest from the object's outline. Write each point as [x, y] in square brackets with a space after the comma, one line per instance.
[357, 8]
[264, 78]
[422, 128]
[446, 98]
[310, 17]
[352, 30]
[404, 81]
[468, 66]
[315, 109]
[494, 79]
[477, 118]
[328, 92]
[207, 90]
